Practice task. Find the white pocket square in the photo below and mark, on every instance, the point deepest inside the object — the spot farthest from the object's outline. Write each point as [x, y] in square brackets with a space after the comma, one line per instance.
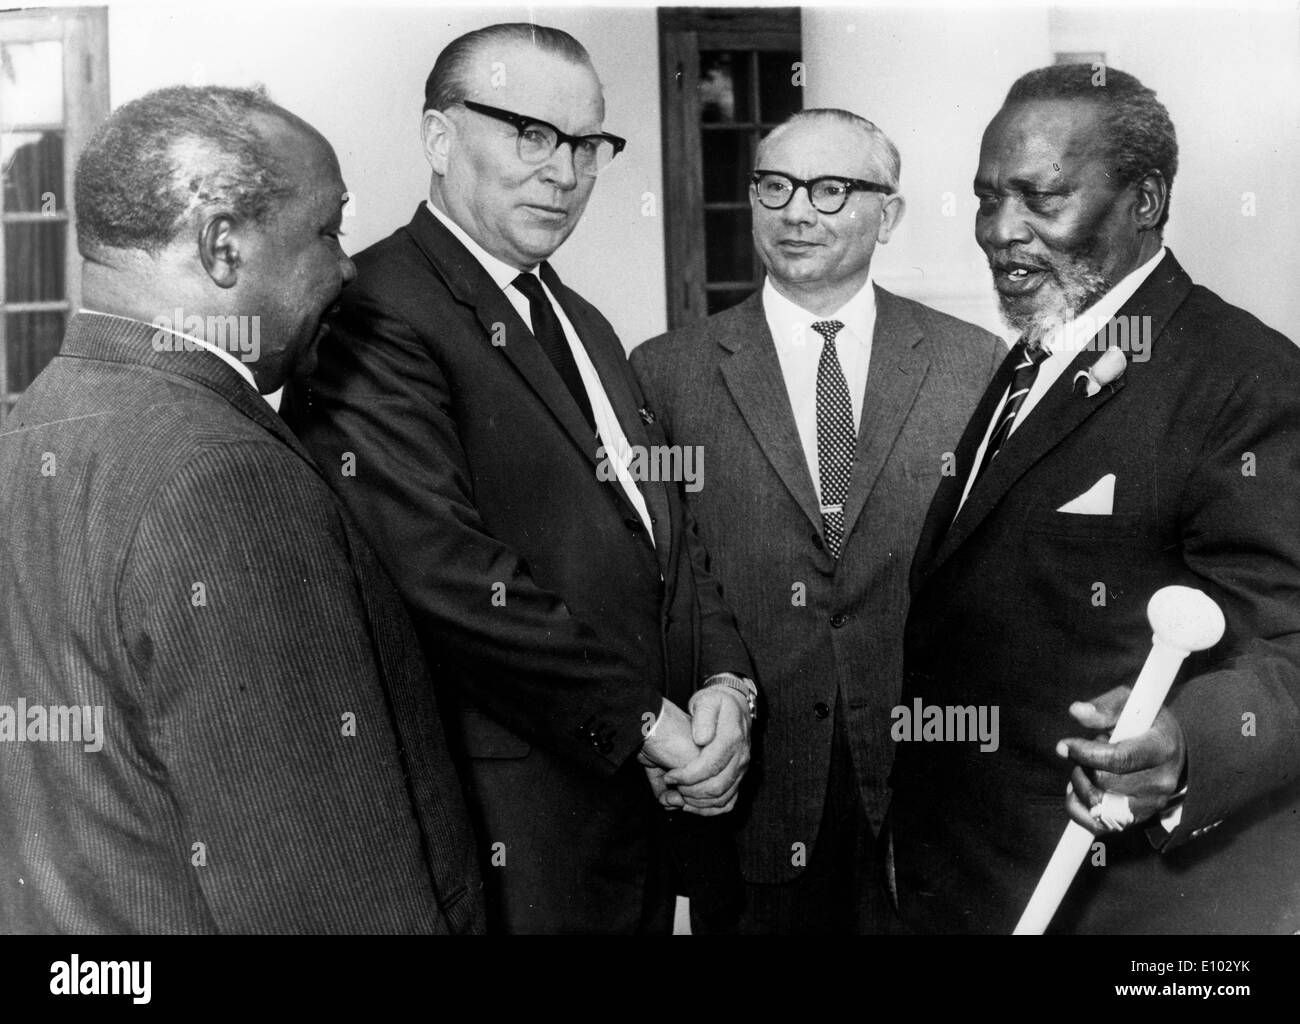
[1097, 500]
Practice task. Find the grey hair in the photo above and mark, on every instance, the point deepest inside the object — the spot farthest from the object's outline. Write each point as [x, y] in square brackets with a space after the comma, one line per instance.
[174, 150]
[883, 150]
[1139, 130]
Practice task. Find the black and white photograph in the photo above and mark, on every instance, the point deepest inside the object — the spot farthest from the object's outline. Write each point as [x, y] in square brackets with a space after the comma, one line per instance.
[814, 472]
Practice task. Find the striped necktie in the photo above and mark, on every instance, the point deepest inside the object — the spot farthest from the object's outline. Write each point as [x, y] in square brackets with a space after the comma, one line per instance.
[835, 435]
[1026, 371]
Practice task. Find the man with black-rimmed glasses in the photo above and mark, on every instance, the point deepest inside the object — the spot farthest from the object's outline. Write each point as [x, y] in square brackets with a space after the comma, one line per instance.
[826, 406]
[469, 408]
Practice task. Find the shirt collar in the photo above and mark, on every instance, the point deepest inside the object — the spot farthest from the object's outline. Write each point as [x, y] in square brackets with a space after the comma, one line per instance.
[858, 314]
[1078, 332]
[237, 365]
[501, 272]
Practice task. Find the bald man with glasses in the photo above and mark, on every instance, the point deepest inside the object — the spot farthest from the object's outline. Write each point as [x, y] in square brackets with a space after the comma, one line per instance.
[827, 406]
[598, 693]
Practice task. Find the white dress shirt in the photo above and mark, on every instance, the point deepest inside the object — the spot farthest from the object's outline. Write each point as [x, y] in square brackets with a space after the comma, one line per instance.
[799, 349]
[607, 426]
[1063, 344]
[239, 366]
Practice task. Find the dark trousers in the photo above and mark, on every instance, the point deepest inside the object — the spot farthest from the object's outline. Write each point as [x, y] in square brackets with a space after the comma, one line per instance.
[840, 891]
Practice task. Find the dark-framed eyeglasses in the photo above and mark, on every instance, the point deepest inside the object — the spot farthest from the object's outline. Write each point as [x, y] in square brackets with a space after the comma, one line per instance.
[828, 193]
[538, 140]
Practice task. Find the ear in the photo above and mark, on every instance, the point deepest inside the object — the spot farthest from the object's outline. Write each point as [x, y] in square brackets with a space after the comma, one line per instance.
[436, 131]
[1152, 199]
[892, 209]
[219, 249]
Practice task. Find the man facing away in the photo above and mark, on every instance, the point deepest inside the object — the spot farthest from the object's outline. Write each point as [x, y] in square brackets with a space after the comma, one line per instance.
[466, 407]
[827, 407]
[1143, 433]
[177, 579]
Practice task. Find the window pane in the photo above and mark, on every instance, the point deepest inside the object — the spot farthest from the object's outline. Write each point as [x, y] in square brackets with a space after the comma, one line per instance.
[31, 83]
[32, 340]
[778, 96]
[33, 171]
[34, 262]
[724, 85]
[727, 244]
[727, 165]
[725, 299]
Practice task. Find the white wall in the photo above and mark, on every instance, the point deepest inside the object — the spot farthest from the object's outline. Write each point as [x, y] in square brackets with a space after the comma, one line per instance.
[357, 73]
[933, 77]
[930, 79]
[930, 76]
[1231, 81]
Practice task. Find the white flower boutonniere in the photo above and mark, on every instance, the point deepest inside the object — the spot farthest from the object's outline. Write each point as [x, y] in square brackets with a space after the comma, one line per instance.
[1108, 368]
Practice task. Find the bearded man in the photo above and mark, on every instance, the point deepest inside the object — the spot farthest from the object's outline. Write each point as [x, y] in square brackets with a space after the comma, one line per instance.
[1086, 480]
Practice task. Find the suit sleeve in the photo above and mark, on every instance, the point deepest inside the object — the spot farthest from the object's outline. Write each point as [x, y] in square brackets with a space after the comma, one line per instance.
[263, 709]
[1241, 714]
[722, 649]
[531, 664]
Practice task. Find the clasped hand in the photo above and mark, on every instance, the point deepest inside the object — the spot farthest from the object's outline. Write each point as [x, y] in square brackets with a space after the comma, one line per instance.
[695, 762]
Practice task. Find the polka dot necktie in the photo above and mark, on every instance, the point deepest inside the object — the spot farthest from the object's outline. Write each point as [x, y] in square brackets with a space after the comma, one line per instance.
[835, 435]
[1021, 383]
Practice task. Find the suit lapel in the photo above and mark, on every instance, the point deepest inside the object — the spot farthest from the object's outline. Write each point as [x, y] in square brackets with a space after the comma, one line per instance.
[1059, 413]
[606, 354]
[503, 328]
[894, 377]
[753, 376]
[944, 506]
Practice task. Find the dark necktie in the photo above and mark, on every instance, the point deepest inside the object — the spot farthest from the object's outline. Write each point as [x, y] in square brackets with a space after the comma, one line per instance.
[835, 435]
[1026, 371]
[550, 335]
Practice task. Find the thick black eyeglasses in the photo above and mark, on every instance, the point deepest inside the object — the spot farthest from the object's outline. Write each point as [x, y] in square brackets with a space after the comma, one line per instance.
[538, 140]
[828, 194]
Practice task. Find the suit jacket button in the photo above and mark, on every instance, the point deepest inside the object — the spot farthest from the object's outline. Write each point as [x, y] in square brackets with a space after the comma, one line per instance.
[821, 710]
[838, 620]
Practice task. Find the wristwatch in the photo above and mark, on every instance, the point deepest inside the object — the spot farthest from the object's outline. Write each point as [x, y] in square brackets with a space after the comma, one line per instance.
[740, 685]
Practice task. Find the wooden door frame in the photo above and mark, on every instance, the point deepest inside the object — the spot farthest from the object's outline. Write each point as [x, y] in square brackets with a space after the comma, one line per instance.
[683, 32]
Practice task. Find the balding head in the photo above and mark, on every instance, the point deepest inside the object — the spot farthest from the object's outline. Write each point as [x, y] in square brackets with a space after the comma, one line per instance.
[161, 160]
[829, 196]
[215, 207]
[878, 147]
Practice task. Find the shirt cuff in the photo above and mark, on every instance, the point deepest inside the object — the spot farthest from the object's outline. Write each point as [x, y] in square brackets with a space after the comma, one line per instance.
[1173, 817]
[658, 718]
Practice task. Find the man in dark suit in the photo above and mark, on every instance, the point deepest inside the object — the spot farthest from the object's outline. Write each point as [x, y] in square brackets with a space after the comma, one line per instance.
[811, 507]
[468, 405]
[1178, 462]
[177, 579]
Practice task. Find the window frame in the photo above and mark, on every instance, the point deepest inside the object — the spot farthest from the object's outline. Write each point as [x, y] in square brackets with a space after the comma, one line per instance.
[83, 33]
[683, 33]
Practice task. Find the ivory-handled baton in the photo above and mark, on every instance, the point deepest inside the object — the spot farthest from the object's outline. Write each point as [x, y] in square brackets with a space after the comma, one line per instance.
[1183, 620]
